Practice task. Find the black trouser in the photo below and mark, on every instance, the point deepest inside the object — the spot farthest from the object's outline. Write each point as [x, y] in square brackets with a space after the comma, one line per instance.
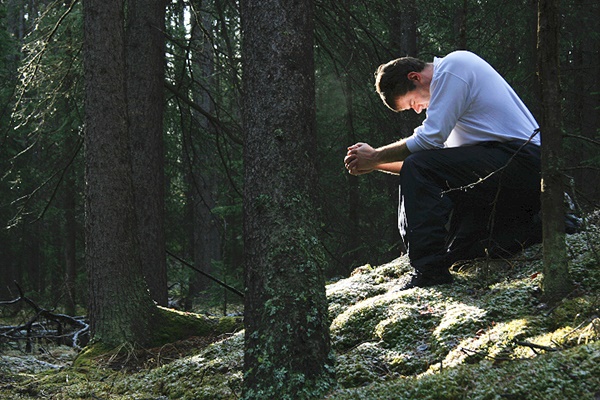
[466, 202]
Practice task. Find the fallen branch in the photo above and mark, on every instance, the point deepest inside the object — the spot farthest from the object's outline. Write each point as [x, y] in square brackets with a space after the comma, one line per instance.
[34, 329]
[534, 346]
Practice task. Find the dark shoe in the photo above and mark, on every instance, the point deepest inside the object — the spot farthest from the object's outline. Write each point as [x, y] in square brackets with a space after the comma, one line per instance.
[418, 279]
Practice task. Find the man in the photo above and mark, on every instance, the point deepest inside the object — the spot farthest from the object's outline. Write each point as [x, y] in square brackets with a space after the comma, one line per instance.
[469, 175]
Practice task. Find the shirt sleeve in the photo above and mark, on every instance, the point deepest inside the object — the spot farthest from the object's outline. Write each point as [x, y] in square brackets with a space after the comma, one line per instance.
[450, 98]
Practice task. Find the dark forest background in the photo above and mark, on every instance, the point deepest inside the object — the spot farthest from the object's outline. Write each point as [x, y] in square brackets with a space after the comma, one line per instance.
[42, 166]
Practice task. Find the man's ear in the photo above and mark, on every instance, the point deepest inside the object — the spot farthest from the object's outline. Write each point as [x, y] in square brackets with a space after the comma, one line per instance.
[413, 76]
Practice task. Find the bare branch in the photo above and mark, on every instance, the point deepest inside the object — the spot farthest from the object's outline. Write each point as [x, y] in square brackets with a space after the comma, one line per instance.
[480, 180]
[584, 138]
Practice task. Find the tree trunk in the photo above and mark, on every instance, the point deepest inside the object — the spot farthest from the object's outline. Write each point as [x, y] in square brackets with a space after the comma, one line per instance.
[120, 307]
[287, 329]
[145, 102]
[207, 237]
[403, 29]
[556, 283]
[403, 39]
[460, 26]
[70, 247]
[583, 74]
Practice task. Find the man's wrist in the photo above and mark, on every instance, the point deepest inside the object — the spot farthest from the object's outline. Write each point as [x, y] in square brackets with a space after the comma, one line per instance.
[377, 157]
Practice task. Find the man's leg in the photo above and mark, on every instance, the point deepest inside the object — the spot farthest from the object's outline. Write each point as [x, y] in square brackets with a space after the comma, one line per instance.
[489, 187]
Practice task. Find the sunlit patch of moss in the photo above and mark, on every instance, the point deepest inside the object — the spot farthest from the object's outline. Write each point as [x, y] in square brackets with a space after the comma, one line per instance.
[346, 292]
[481, 273]
[395, 269]
[405, 326]
[570, 374]
[387, 317]
[560, 339]
[89, 355]
[459, 321]
[486, 344]
[357, 323]
[511, 299]
[365, 282]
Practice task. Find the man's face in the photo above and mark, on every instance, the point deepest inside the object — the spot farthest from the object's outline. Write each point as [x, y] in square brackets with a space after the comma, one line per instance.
[417, 99]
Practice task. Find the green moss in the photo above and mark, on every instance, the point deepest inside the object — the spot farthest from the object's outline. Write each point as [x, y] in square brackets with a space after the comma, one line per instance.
[574, 311]
[177, 325]
[572, 374]
[458, 322]
[88, 356]
[511, 299]
[357, 323]
[357, 367]
[404, 327]
[173, 326]
[472, 340]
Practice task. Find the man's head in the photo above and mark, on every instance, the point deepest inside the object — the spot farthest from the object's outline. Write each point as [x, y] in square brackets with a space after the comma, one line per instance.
[396, 78]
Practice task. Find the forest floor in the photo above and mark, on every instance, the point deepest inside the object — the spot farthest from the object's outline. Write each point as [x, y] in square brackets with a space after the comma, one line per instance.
[487, 336]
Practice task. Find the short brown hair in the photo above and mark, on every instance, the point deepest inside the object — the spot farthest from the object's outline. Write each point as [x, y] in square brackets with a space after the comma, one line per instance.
[391, 80]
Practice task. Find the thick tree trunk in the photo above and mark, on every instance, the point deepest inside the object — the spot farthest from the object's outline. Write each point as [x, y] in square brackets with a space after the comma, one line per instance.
[287, 329]
[145, 102]
[120, 307]
[557, 283]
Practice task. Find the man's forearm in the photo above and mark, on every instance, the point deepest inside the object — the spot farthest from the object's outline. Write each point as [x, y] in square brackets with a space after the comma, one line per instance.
[393, 152]
[362, 158]
[390, 168]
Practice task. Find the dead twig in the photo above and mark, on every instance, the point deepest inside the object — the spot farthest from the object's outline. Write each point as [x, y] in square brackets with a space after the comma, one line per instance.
[535, 346]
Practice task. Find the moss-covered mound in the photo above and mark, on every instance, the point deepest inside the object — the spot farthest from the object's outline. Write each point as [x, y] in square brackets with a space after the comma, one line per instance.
[487, 336]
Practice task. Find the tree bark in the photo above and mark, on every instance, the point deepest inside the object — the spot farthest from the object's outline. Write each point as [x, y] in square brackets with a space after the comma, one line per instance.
[557, 283]
[460, 26]
[207, 236]
[120, 307]
[287, 329]
[70, 247]
[145, 102]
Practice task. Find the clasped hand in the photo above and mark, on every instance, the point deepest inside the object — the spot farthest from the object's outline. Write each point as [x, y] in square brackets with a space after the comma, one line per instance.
[360, 159]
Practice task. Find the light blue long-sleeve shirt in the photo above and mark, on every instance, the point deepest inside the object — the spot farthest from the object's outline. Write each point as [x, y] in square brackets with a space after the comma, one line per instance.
[471, 103]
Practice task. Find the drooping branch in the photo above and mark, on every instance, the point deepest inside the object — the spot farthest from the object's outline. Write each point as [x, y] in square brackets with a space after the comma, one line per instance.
[481, 180]
[33, 64]
[584, 138]
[213, 120]
[187, 264]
